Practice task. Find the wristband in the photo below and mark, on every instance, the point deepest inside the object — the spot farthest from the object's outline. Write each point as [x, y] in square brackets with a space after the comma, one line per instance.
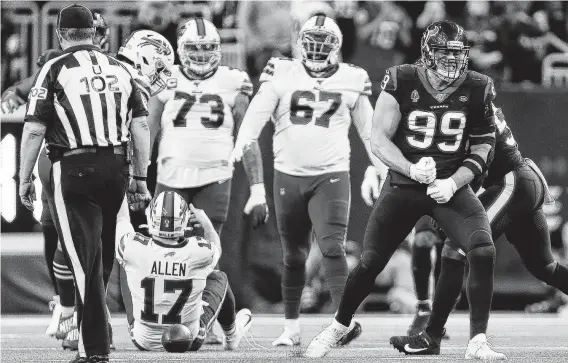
[141, 178]
[258, 189]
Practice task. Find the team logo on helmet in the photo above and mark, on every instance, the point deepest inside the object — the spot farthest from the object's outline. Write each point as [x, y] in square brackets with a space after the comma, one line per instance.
[161, 47]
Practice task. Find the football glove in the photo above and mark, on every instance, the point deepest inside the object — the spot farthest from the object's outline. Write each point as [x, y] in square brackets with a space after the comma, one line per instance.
[424, 171]
[442, 190]
[138, 195]
[11, 101]
[256, 205]
[370, 187]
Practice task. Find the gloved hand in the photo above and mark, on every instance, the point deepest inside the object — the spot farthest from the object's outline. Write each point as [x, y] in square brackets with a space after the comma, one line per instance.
[370, 186]
[256, 205]
[138, 195]
[238, 151]
[11, 101]
[442, 190]
[424, 171]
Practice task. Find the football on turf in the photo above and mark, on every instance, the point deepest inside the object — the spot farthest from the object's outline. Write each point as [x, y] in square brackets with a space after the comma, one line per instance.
[177, 339]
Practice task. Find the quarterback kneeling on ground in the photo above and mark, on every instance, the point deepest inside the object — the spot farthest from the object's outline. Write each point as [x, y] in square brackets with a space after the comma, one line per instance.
[172, 278]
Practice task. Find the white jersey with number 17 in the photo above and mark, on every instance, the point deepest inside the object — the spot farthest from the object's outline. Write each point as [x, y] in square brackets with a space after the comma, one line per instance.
[166, 283]
[313, 115]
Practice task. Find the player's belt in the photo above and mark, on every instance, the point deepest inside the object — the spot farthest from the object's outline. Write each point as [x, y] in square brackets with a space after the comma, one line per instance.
[118, 150]
[548, 198]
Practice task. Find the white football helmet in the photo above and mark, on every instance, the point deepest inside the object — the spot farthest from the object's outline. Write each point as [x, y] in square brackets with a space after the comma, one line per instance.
[152, 54]
[199, 46]
[320, 40]
[168, 215]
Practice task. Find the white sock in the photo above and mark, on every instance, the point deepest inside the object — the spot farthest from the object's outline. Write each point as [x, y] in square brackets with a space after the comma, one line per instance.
[479, 338]
[292, 325]
[337, 325]
[67, 311]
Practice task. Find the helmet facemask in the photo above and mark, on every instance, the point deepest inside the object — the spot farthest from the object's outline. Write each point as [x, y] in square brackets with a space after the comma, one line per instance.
[450, 62]
[200, 57]
[319, 49]
[157, 72]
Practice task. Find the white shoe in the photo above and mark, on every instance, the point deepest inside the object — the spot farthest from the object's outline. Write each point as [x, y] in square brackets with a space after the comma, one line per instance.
[243, 322]
[55, 308]
[66, 324]
[288, 338]
[478, 348]
[322, 344]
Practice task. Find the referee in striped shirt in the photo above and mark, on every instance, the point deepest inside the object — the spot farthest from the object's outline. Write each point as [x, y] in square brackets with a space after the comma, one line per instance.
[85, 104]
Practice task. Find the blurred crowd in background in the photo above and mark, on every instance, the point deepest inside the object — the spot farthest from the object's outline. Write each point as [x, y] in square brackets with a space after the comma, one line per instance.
[509, 39]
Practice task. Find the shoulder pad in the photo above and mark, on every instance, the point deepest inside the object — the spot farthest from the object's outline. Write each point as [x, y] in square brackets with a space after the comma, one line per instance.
[274, 64]
[483, 81]
[406, 71]
[240, 79]
[140, 238]
[361, 77]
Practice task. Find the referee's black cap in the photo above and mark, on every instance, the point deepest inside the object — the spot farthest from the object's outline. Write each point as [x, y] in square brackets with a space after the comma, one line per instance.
[75, 16]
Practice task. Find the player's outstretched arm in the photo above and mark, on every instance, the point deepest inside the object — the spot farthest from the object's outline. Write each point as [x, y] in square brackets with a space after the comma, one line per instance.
[252, 163]
[17, 95]
[209, 231]
[155, 110]
[258, 113]
[385, 123]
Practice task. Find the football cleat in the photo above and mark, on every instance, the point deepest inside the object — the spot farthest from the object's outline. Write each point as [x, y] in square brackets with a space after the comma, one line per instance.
[420, 319]
[354, 332]
[287, 338]
[71, 341]
[212, 338]
[55, 308]
[243, 322]
[478, 348]
[329, 338]
[419, 344]
[66, 325]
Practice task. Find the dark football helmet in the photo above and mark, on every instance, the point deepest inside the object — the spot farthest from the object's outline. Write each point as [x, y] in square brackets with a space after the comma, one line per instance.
[445, 49]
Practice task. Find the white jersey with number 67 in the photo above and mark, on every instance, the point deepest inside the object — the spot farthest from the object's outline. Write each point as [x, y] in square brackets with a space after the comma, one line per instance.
[197, 127]
[166, 283]
[313, 115]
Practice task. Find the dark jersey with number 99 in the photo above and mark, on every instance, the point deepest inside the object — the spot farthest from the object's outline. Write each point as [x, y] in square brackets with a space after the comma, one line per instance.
[439, 124]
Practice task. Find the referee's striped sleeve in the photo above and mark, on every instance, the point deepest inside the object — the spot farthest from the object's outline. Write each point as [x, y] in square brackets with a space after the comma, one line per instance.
[137, 102]
[40, 102]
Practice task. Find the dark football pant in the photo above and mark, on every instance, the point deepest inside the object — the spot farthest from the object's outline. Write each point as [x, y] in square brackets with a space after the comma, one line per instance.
[427, 235]
[300, 203]
[49, 230]
[394, 215]
[88, 191]
[214, 293]
[212, 198]
[514, 208]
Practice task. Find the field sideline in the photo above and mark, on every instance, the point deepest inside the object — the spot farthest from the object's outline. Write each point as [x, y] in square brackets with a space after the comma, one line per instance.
[535, 338]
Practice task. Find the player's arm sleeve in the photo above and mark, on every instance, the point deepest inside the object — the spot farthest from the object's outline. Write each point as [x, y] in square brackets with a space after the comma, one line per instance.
[386, 119]
[389, 84]
[362, 116]
[124, 232]
[258, 113]
[481, 139]
[137, 102]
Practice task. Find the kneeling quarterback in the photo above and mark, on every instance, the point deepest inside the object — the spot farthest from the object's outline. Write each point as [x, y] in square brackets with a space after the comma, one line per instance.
[172, 278]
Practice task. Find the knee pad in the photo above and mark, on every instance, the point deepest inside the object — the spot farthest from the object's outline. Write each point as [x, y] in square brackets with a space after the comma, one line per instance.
[426, 239]
[478, 239]
[481, 254]
[332, 247]
[218, 275]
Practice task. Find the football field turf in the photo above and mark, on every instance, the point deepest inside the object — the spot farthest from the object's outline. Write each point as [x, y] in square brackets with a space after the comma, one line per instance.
[535, 338]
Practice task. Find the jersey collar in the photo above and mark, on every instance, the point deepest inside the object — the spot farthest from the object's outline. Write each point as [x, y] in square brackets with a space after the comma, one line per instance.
[330, 72]
[77, 48]
[179, 245]
[192, 78]
[447, 91]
